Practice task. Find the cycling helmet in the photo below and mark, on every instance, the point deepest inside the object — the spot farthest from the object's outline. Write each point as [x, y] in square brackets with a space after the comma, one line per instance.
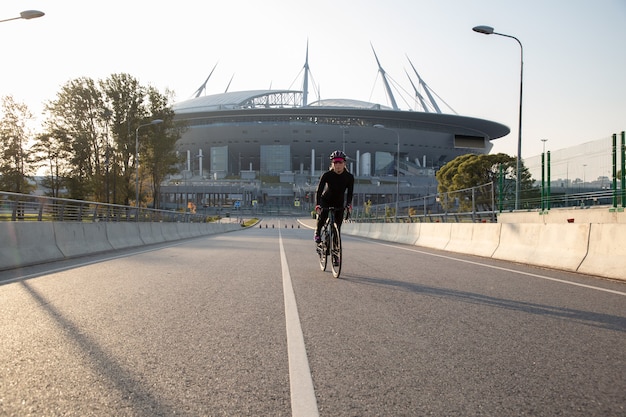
[338, 155]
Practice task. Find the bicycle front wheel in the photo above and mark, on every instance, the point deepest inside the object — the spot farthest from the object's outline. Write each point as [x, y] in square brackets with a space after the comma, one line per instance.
[335, 251]
[322, 250]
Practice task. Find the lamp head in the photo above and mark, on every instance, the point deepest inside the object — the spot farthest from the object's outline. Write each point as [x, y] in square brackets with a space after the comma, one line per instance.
[31, 14]
[487, 30]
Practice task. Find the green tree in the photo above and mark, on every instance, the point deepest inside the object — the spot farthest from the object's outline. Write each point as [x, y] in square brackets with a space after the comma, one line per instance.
[468, 171]
[15, 162]
[89, 142]
[52, 154]
[125, 99]
[159, 145]
[75, 118]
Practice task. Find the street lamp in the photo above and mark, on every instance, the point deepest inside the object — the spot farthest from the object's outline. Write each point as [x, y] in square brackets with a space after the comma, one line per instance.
[488, 30]
[26, 14]
[154, 122]
[378, 126]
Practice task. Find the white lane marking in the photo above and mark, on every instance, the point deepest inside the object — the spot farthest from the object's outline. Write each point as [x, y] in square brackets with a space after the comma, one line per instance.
[303, 401]
[499, 268]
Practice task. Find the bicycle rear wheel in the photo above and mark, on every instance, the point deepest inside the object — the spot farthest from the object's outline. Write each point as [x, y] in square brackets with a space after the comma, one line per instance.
[335, 250]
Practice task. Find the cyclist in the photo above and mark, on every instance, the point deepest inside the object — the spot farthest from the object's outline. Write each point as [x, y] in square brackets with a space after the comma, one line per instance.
[331, 191]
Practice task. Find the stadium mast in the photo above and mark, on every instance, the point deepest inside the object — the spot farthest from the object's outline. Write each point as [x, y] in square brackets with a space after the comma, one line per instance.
[305, 83]
[425, 87]
[384, 75]
[417, 94]
[203, 86]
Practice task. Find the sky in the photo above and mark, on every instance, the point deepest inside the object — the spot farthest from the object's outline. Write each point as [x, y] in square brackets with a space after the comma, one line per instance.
[574, 55]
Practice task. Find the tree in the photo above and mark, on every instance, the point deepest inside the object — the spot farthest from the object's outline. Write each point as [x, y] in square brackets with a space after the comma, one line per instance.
[125, 99]
[159, 153]
[15, 163]
[468, 171]
[90, 138]
[75, 119]
[50, 152]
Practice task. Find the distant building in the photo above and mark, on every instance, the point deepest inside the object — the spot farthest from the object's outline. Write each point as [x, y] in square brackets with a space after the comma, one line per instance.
[249, 135]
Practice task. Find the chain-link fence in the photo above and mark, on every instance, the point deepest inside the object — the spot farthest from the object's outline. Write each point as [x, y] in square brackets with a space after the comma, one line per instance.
[582, 175]
[590, 174]
[476, 204]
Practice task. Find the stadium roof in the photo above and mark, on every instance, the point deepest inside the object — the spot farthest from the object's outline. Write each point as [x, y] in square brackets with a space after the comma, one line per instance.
[265, 99]
[241, 100]
[348, 103]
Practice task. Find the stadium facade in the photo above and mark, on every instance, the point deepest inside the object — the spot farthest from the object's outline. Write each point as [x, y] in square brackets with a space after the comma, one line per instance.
[269, 147]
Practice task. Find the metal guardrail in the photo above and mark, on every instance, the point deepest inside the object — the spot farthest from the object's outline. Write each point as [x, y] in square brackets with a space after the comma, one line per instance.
[477, 217]
[26, 207]
[428, 209]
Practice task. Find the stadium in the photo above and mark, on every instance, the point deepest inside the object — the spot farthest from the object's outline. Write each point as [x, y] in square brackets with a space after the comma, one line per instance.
[268, 147]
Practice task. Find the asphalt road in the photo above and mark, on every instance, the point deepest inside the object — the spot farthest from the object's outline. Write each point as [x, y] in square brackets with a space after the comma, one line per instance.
[246, 324]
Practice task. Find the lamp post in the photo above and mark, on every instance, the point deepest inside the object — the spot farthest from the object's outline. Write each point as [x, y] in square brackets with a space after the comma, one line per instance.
[378, 126]
[154, 122]
[488, 30]
[26, 14]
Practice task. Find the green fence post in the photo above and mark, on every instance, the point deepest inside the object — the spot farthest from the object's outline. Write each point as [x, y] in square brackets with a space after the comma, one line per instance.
[614, 154]
[623, 179]
[543, 179]
[548, 193]
[500, 187]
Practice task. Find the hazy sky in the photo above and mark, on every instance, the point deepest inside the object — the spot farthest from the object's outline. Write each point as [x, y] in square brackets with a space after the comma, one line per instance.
[574, 54]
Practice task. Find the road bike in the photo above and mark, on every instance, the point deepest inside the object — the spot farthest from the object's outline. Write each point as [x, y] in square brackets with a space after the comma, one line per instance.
[330, 246]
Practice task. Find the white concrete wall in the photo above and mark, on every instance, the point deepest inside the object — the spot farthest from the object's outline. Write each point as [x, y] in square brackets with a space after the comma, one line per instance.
[29, 243]
[594, 249]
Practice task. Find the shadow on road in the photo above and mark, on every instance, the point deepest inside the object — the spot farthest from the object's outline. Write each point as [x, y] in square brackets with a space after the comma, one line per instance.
[144, 403]
[604, 321]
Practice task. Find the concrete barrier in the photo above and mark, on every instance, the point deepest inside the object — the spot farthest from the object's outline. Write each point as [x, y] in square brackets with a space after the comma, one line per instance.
[434, 235]
[27, 243]
[76, 239]
[170, 231]
[388, 232]
[480, 239]
[607, 251]
[184, 230]
[589, 248]
[366, 229]
[560, 246]
[356, 229]
[123, 235]
[409, 233]
[406, 233]
[148, 234]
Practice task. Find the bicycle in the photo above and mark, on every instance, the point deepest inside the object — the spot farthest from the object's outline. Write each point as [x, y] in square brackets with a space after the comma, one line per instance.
[331, 243]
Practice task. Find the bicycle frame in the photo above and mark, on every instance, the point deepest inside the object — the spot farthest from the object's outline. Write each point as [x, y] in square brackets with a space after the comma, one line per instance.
[331, 243]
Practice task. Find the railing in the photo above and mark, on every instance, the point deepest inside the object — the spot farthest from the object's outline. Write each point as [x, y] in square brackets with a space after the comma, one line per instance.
[476, 206]
[26, 207]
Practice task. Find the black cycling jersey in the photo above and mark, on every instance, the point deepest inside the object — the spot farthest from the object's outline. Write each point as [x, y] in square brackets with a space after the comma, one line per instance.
[332, 187]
